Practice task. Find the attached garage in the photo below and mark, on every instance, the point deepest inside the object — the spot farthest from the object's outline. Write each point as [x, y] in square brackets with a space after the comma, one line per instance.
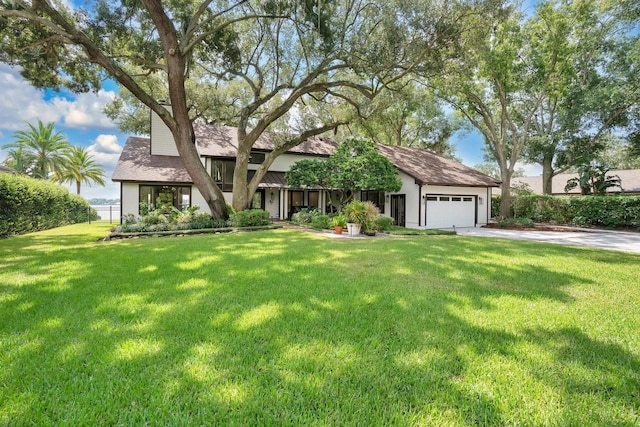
[448, 211]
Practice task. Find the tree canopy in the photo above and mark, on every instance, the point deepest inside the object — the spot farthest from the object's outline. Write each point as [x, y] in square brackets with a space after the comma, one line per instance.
[252, 64]
[355, 165]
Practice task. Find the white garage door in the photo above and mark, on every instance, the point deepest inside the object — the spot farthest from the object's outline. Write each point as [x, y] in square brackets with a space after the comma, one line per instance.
[450, 210]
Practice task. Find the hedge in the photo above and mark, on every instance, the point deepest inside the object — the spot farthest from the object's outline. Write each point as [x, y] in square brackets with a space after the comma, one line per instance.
[599, 211]
[28, 204]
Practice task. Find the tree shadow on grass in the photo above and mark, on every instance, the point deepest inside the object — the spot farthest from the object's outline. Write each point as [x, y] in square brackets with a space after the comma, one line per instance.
[287, 328]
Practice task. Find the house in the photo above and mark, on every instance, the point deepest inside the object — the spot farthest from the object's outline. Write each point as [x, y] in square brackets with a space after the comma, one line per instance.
[630, 180]
[5, 169]
[436, 192]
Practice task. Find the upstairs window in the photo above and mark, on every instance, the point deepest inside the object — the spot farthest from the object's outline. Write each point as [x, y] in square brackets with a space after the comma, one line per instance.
[256, 157]
[223, 174]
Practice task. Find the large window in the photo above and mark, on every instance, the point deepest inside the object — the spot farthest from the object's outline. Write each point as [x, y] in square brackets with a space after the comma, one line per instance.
[256, 157]
[156, 196]
[223, 174]
[314, 199]
[377, 197]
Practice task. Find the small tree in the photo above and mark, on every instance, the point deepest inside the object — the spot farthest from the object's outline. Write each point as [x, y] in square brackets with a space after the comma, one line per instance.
[593, 179]
[355, 165]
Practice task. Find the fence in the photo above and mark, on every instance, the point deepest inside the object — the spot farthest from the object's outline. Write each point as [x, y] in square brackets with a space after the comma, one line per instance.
[108, 212]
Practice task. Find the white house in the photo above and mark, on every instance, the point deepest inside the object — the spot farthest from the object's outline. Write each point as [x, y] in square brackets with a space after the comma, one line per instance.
[436, 192]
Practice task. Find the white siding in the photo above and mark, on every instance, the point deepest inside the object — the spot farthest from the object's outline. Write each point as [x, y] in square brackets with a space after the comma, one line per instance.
[162, 142]
[130, 195]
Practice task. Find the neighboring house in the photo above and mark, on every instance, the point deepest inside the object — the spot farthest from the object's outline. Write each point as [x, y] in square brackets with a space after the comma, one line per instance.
[436, 192]
[5, 169]
[630, 182]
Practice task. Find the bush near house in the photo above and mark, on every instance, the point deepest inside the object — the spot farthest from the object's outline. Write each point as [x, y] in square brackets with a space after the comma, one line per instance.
[598, 211]
[28, 204]
[249, 218]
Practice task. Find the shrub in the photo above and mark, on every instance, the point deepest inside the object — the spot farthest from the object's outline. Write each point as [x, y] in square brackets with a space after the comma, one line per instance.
[384, 223]
[515, 222]
[321, 221]
[29, 204]
[250, 218]
[305, 216]
[605, 211]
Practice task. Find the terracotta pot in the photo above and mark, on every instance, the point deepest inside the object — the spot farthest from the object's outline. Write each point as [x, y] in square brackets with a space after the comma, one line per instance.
[338, 229]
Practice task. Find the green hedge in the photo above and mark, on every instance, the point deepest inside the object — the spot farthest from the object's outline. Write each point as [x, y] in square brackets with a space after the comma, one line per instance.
[250, 218]
[600, 211]
[28, 204]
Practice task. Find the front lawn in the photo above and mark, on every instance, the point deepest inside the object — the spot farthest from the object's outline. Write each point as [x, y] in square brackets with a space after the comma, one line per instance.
[290, 328]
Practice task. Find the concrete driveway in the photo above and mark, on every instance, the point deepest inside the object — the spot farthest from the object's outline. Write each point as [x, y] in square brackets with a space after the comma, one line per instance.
[601, 239]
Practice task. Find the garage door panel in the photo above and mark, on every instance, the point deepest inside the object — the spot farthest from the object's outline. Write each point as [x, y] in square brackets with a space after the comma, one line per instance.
[447, 211]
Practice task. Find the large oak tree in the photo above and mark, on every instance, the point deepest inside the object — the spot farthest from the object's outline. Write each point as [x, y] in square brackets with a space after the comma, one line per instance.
[254, 63]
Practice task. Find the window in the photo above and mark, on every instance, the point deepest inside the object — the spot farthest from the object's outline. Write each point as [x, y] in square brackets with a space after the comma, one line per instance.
[223, 174]
[456, 199]
[256, 158]
[156, 196]
[444, 199]
[467, 199]
[314, 199]
[432, 199]
[376, 197]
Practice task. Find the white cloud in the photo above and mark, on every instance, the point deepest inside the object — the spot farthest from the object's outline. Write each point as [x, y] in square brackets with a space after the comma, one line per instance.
[21, 102]
[85, 111]
[107, 144]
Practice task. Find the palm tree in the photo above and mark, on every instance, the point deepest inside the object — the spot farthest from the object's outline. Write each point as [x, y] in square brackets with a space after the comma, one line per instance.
[19, 160]
[45, 146]
[79, 167]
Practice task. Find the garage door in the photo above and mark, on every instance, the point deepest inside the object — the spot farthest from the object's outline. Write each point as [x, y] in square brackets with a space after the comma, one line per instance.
[449, 211]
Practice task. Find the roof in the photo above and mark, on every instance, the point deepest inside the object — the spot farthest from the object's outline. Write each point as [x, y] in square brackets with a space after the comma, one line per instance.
[138, 164]
[630, 180]
[5, 169]
[429, 168]
[222, 141]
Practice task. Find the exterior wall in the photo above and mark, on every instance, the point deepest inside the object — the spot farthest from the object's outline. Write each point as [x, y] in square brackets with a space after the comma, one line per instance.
[162, 142]
[129, 202]
[283, 162]
[410, 191]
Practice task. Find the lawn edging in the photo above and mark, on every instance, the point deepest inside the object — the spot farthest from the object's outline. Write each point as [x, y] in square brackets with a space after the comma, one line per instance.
[147, 234]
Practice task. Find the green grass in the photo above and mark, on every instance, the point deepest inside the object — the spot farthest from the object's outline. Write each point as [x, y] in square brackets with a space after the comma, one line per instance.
[290, 328]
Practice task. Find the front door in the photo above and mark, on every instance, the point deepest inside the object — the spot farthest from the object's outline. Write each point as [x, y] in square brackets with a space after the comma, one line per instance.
[398, 205]
[258, 200]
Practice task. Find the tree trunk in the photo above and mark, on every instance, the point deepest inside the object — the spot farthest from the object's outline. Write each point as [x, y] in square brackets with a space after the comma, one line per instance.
[78, 188]
[180, 125]
[505, 192]
[547, 175]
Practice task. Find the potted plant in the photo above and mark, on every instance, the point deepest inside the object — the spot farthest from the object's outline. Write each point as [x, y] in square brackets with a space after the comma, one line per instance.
[355, 215]
[339, 223]
[371, 216]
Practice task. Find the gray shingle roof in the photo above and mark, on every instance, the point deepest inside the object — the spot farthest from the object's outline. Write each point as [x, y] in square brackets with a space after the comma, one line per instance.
[630, 180]
[137, 164]
[222, 141]
[432, 169]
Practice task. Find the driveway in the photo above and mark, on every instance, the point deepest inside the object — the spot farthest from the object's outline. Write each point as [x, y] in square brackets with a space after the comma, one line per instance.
[601, 239]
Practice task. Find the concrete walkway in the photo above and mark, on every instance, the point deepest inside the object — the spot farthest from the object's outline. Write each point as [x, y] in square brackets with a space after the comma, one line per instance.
[601, 239]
